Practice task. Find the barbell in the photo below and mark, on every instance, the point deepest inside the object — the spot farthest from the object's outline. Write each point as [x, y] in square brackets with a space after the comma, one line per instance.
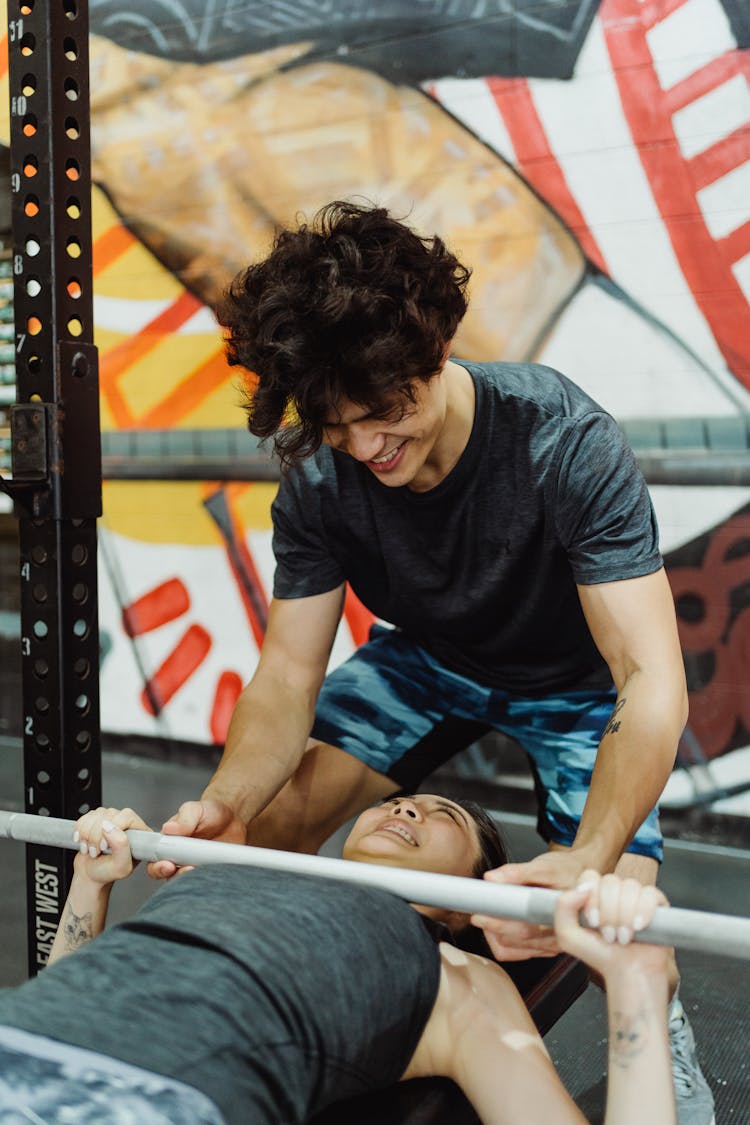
[704, 931]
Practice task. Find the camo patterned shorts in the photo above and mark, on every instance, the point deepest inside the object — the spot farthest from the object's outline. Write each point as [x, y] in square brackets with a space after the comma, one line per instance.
[403, 713]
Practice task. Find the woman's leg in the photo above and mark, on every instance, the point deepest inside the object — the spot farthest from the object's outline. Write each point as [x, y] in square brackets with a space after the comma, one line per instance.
[40, 1077]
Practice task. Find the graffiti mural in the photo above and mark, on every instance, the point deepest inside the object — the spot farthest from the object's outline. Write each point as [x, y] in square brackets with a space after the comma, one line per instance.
[590, 161]
[710, 579]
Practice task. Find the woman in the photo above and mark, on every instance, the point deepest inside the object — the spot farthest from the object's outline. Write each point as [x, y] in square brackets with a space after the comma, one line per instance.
[243, 995]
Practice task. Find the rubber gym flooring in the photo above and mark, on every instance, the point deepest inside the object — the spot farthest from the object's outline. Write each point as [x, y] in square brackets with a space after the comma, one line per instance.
[715, 990]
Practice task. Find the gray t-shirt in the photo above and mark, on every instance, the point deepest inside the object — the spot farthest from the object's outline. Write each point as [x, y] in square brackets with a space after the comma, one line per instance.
[481, 571]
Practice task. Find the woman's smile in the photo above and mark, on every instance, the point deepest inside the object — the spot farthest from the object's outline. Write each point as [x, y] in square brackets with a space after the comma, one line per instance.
[399, 829]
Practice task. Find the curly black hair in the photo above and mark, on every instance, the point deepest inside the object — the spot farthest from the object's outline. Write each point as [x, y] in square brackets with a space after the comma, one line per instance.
[353, 307]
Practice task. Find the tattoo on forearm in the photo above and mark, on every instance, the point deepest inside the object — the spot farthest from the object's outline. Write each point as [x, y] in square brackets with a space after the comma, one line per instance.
[613, 725]
[76, 929]
[628, 1037]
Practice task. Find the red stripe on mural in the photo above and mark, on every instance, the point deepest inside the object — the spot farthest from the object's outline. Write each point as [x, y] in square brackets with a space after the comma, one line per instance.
[536, 160]
[228, 690]
[187, 655]
[705, 79]
[737, 244]
[723, 157]
[358, 617]
[158, 606]
[703, 261]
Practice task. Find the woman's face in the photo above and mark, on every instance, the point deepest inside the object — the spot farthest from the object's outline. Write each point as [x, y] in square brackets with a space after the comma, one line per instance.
[425, 832]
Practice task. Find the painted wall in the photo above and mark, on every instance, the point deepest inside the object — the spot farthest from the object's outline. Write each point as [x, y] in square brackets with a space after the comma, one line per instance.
[590, 161]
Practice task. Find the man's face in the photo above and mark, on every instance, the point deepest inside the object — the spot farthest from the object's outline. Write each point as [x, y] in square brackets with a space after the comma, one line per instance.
[396, 442]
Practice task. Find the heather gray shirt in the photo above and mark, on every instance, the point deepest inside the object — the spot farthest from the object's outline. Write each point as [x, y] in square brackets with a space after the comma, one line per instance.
[481, 570]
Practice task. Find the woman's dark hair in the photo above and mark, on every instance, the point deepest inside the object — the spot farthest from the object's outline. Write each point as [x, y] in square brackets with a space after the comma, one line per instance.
[353, 307]
[494, 851]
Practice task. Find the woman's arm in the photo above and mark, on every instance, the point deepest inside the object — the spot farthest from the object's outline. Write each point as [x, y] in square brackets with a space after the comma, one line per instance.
[640, 1086]
[103, 858]
[481, 1035]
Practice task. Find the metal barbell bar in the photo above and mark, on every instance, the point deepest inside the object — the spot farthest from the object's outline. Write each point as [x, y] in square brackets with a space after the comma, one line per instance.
[725, 934]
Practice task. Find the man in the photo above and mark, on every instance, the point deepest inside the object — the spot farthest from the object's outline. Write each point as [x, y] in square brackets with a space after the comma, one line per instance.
[495, 516]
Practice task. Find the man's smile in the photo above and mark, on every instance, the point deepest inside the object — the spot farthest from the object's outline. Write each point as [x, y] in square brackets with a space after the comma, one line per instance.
[388, 460]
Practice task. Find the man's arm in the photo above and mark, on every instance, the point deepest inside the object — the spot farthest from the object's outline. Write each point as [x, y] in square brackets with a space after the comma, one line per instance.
[634, 626]
[270, 724]
[274, 714]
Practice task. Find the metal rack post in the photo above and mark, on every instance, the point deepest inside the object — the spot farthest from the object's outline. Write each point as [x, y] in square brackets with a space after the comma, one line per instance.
[55, 438]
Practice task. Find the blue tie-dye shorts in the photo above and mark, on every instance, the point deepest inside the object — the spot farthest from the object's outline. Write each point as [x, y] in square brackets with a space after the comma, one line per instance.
[400, 711]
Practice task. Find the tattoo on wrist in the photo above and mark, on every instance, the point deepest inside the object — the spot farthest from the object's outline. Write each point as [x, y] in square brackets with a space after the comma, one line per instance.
[628, 1037]
[76, 929]
[613, 725]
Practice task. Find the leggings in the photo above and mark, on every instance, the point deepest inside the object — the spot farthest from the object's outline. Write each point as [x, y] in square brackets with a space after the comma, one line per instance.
[45, 1081]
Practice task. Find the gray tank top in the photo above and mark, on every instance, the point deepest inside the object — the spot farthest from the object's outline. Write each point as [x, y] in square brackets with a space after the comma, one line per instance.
[272, 994]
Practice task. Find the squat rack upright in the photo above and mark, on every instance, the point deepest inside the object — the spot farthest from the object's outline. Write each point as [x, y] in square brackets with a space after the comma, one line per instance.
[55, 435]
